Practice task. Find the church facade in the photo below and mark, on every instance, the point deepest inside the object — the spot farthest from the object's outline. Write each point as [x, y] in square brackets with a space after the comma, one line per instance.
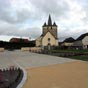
[49, 35]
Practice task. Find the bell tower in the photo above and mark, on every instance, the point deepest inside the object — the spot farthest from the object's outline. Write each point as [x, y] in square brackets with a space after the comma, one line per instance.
[49, 35]
[49, 27]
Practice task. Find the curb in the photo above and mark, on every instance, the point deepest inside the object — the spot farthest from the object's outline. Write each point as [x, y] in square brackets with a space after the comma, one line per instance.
[20, 85]
[23, 80]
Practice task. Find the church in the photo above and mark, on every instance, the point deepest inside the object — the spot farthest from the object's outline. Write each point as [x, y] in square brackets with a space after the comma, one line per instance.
[49, 35]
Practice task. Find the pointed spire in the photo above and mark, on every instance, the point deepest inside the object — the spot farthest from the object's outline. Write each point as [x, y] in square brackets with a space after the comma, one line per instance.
[44, 24]
[49, 21]
[54, 24]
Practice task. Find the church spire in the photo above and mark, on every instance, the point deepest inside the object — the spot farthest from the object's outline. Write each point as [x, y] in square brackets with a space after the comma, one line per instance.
[54, 24]
[49, 21]
[44, 24]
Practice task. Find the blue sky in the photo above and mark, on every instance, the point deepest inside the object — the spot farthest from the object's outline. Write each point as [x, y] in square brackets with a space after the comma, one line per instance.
[24, 18]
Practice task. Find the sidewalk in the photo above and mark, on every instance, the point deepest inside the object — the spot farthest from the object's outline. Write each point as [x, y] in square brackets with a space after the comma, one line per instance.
[66, 75]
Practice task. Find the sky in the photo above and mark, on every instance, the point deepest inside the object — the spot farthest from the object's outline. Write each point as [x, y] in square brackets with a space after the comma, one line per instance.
[25, 18]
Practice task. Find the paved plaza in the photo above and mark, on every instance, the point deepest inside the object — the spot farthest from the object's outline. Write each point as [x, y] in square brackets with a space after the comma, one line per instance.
[45, 71]
[28, 60]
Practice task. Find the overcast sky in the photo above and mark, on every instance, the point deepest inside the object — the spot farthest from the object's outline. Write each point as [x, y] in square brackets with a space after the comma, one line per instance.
[24, 18]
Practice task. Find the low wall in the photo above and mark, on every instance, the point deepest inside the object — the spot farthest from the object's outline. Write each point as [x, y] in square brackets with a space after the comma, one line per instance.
[25, 49]
[2, 49]
[35, 49]
[31, 49]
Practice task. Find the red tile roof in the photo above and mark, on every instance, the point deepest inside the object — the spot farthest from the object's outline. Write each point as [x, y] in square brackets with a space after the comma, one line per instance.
[17, 40]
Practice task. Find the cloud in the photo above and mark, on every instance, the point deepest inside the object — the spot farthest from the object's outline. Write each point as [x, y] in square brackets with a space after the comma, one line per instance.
[14, 11]
[26, 17]
[13, 30]
[54, 7]
[75, 23]
[20, 10]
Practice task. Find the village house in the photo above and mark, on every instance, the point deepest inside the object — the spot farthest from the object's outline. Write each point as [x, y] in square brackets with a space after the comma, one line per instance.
[81, 42]
[68, 42]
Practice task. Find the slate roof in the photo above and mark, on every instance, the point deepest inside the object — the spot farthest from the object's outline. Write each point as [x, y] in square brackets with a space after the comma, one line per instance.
[49, 21]
[69, 40]
[82, 36]
[44, 24]
[54, 24]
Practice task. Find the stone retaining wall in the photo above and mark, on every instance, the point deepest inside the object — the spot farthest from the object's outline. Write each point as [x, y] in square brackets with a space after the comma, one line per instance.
[2, 49]
[31, 49]
[25, 49]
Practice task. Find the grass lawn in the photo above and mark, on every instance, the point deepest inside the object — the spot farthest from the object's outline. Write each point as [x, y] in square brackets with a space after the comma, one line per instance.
[80, 54]
[83, 57]
[78, 57]
[58, 51]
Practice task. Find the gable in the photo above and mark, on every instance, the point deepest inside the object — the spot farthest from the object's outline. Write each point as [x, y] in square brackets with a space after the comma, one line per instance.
[49, 39]
[48, 35]
[85, 40]
[82, 36]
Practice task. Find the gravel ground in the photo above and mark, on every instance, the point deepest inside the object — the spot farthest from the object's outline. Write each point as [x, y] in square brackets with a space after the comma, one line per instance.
[67, 75]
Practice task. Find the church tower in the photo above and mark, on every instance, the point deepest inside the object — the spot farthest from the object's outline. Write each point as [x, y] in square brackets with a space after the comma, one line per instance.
[49, 27]
[49, 35]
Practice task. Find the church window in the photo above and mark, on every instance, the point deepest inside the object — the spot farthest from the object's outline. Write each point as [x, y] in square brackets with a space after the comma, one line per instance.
[48, 39]
[49, 44]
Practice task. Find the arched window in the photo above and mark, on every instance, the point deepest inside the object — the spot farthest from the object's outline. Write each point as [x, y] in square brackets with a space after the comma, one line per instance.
[49, 39]
[49, 44]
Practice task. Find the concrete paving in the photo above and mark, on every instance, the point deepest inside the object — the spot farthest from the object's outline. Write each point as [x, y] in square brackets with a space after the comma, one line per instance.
[29, 60]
